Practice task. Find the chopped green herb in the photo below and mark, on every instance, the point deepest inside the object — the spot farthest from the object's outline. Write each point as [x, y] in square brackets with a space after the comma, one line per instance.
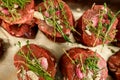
[91, 62]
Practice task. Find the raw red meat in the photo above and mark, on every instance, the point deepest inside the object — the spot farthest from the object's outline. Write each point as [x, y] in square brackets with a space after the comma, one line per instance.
[26, 14]
[114, 65]
[49, 30]
[68, 69]
[21, 30]
[88, 26]
[38, 52]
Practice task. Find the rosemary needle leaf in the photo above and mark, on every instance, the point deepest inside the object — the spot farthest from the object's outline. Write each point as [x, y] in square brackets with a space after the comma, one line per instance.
[91, 62]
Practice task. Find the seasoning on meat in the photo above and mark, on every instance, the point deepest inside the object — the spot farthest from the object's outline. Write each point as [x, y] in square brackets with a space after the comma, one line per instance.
[83, 64]
[34, 62]
[96, 26]
[55, 20]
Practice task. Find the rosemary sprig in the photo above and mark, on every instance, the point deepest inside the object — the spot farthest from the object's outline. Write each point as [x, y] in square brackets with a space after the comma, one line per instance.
[36, 66]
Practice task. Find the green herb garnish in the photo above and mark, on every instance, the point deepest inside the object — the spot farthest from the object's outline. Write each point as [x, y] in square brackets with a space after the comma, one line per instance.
[52, 9]
[99, 29]
[91, 63]
[36, 66]
[10, 3]
[100, 25]
[12, 6]
[54, 19]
